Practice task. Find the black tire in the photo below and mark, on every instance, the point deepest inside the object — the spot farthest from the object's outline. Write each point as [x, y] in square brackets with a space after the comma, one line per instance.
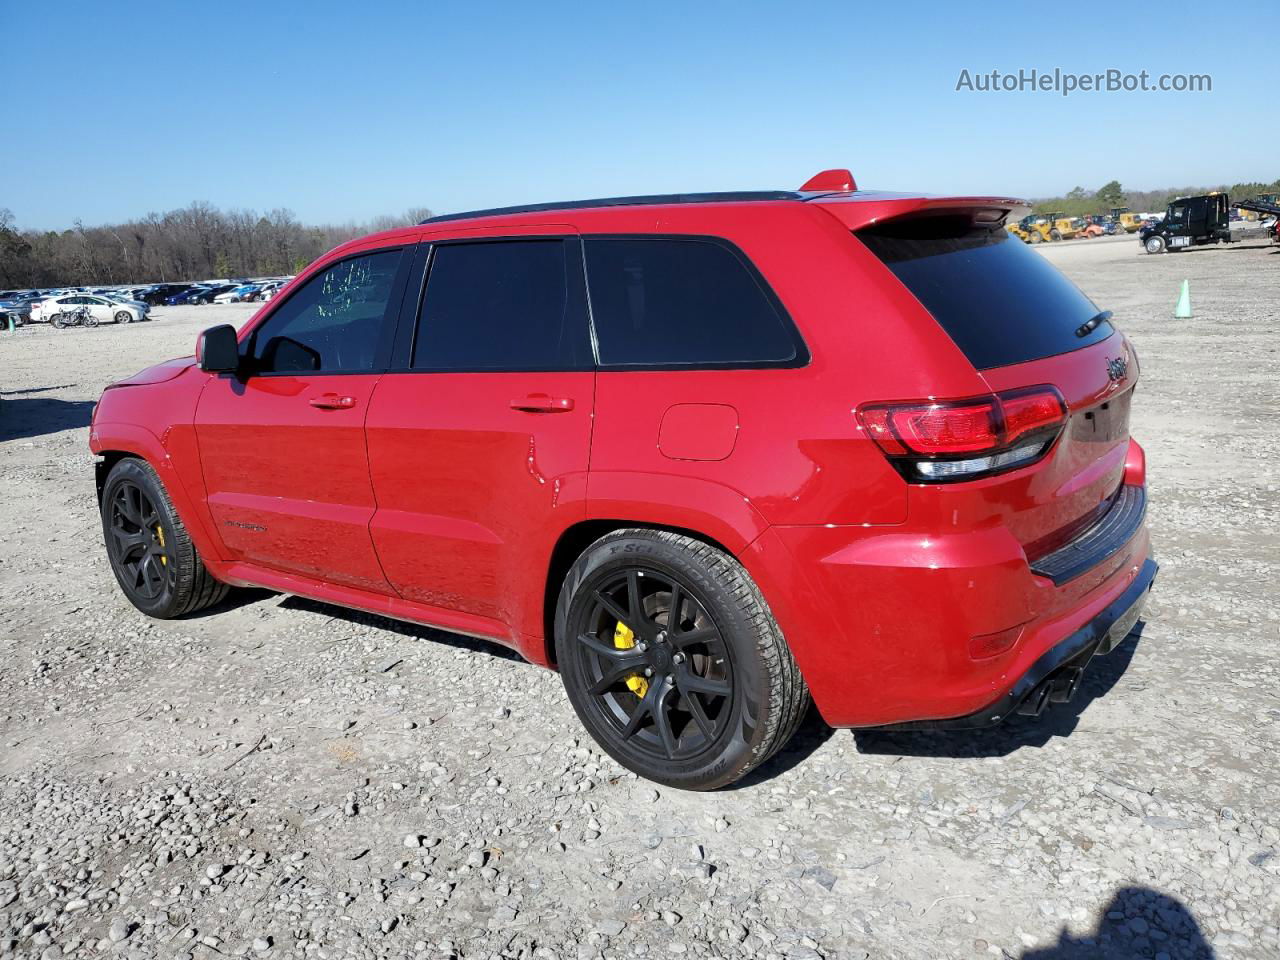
[1155, 245]
[1034, 236]
[151, 554]
[124, 316]
[1055, 234]
[673, 725]
[59, 320]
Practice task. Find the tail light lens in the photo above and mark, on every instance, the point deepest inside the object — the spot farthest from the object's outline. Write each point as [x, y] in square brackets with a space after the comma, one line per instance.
[936, 441]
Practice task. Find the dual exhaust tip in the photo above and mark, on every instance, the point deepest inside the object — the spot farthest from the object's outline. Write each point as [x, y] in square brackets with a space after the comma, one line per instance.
[1059, 687]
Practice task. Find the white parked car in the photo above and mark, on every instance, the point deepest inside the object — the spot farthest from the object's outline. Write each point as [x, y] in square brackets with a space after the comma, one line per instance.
[104, 310]
[143, 308]
[237, 295]
[274, 288]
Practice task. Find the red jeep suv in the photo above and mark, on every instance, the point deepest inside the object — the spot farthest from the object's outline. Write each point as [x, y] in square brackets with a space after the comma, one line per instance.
[708, 455]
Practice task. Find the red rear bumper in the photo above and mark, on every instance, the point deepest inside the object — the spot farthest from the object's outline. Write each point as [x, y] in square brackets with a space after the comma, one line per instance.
[883, 620]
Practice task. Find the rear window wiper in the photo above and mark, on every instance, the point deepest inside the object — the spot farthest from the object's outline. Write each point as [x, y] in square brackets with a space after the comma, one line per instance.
[1092, 323]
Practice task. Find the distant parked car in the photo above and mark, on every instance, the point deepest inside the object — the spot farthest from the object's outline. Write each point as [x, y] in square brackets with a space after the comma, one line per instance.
[17, 310]
[237, 294]
[143, 308]
[158, 293]
[185, 296]
[103, 310]
[210, 293]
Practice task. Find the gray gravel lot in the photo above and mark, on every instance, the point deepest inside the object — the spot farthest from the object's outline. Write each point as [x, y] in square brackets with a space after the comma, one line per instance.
[280, 777]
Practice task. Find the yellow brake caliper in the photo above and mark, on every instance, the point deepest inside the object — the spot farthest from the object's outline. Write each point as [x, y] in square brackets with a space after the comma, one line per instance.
[164, 561]
[625, 639]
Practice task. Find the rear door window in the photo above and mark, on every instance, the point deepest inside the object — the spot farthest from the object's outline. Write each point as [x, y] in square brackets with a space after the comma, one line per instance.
[1000, 301]
[503, 305]
[687, 302]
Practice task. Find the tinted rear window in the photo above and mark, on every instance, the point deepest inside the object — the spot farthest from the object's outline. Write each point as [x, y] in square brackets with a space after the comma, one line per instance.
[683, 302]
[1001, 302]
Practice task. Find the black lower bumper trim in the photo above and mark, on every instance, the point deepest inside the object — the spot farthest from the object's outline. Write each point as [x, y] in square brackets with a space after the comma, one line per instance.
[1055, 677]
[1101, 540]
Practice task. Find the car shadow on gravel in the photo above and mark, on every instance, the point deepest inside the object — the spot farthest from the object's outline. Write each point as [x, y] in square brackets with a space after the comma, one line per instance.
[456, 640]
[1059, 720]
[1137, 922]
[22, 418]
[812, 734]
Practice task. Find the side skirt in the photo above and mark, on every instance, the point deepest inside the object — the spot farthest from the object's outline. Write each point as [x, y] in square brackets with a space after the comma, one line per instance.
[470, 625]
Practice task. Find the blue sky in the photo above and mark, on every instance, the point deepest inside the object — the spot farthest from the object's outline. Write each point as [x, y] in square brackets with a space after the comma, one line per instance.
[341, 110]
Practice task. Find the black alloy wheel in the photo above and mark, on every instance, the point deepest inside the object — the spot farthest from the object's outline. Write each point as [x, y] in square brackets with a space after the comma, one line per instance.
[656, 664]
[150, 550]
[673, 661]
[136, 542]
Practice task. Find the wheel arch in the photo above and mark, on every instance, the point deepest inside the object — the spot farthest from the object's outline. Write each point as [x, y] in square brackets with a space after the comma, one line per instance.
[112, 443]
[571, 544]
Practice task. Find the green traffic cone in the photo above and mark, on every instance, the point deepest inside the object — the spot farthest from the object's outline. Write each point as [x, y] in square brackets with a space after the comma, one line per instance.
[1183, 310]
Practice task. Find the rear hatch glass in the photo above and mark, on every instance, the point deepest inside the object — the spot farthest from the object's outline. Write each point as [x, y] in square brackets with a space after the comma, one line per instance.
[1001, 302]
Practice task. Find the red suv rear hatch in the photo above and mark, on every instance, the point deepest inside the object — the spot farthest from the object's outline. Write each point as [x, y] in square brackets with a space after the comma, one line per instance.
[1053, 465]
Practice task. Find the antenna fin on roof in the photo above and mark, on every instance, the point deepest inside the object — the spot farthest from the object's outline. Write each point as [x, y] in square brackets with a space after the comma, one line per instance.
[832, 181]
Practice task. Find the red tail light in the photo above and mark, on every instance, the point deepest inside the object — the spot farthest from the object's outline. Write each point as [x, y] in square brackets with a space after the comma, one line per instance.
[941, 440]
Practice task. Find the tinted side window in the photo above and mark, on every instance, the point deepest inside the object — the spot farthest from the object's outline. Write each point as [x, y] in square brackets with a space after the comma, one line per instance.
[503, 305]
[333, 322]
[660, 301]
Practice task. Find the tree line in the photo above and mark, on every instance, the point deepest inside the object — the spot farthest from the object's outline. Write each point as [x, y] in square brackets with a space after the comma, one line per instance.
[1081, 202]
[194, 243]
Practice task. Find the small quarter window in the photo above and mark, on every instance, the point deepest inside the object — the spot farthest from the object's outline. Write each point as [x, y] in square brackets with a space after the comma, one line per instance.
[658, 301]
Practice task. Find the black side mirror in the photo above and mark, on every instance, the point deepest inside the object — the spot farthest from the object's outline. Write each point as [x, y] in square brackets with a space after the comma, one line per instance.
[217, 350]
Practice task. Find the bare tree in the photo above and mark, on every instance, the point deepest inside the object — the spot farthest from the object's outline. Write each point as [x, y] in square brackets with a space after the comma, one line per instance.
[193, 243]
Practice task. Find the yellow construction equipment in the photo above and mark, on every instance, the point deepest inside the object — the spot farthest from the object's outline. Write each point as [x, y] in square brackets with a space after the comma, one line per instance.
[1064, 227]
[1130, 222]
[1033, 228]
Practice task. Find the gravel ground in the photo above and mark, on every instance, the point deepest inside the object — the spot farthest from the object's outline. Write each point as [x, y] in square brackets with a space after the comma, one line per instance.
[280, 777]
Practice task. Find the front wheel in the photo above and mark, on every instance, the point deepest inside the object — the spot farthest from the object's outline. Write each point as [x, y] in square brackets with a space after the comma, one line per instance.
[151, 554]
[673, 661]
[1155, 245]
[124, 316]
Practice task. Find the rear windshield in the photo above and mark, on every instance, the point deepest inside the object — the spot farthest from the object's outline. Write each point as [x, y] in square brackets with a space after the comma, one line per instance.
[1001, 302]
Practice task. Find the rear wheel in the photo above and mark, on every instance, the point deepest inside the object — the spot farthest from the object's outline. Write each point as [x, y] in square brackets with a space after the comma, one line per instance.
[60, 320]
[1055, 234]
[672, 660]
[151, 555]
[1155, 245]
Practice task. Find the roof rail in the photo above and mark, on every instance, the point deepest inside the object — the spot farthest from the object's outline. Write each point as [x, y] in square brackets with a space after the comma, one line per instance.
[657, 199]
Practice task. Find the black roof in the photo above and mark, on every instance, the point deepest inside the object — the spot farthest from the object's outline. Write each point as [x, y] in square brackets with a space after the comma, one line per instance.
[657, 199]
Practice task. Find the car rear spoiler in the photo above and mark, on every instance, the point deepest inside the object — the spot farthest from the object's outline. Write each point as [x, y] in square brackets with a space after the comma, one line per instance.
[857, 211]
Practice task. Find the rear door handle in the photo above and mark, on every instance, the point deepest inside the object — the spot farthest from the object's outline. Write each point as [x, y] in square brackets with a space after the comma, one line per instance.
[332, 401]
[540, 403]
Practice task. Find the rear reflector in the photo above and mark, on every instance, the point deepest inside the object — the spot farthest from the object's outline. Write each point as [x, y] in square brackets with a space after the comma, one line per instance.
[947, 440]
[993, 644]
